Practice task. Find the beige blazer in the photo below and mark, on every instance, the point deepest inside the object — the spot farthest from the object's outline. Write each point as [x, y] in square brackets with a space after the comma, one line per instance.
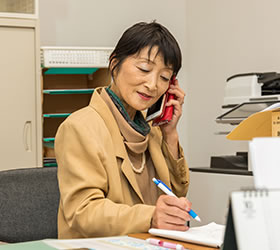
[99, 193]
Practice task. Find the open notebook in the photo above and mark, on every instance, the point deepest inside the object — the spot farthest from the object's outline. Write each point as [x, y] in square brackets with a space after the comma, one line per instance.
[208, 235]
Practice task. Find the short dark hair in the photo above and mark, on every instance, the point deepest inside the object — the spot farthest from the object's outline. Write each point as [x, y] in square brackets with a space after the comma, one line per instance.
[142, 35]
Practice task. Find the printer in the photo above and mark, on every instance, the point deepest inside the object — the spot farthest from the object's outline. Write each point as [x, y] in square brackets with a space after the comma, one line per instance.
[250, 87]
[245, 94]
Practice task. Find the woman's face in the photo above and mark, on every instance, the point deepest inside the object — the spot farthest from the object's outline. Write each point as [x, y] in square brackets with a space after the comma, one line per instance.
[141, 79]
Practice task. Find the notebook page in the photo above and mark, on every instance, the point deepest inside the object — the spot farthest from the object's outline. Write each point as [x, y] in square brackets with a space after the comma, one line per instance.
[249, 220]
[271, 208]
[209, 235]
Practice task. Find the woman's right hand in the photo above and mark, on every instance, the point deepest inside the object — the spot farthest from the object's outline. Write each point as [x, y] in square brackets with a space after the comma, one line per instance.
[171, 213]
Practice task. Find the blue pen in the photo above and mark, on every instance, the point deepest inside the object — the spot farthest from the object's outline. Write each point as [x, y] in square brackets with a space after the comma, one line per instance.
[168, 191]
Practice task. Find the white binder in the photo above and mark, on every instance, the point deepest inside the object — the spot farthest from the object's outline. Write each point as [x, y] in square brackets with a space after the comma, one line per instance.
[253, 221]
[265, 160]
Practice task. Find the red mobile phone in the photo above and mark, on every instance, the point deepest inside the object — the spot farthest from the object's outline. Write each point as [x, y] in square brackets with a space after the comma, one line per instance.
[159, 113]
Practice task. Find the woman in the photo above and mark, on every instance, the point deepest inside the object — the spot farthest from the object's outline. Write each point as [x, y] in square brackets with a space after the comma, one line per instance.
[107, 153]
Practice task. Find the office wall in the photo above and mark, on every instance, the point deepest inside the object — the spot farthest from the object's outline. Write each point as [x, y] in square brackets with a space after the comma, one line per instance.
[224, 38]
[101, 23]
[218, 39]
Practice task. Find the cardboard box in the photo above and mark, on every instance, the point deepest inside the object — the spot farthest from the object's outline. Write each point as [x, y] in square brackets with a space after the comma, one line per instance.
[275, 123]
[262, 124]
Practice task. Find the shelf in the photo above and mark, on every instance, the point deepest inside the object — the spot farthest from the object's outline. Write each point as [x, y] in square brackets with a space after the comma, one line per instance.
[49, 139]
[70, 71]
[221, 171]
[49, 162]
[56, 115]
[67, 91]
[48, 142]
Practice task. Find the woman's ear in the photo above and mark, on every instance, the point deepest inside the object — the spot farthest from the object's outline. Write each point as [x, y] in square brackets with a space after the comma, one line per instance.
[113, 64]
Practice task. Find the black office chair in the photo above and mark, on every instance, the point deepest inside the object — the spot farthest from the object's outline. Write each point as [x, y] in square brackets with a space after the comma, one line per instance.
[29, 201]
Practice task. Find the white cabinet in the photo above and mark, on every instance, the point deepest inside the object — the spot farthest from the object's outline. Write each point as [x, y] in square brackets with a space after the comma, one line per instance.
[210, 192]
[19, 8]
[20, 94]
